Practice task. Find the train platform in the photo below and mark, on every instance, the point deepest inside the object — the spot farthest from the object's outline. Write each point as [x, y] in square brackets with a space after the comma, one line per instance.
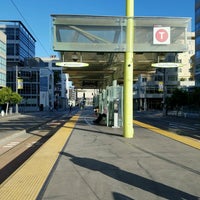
[83, 161]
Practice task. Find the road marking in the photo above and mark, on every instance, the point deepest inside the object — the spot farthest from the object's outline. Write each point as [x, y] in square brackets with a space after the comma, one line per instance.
[196, 124]
[11, 144]
[176, 125]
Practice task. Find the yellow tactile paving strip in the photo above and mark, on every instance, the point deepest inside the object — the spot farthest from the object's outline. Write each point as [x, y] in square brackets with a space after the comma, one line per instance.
[28, 180]
[188, 141]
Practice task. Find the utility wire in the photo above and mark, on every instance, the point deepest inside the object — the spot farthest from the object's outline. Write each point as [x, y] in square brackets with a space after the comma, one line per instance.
[29, 26]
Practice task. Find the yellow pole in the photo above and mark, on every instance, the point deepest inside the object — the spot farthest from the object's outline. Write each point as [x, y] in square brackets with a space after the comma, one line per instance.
[128, 131]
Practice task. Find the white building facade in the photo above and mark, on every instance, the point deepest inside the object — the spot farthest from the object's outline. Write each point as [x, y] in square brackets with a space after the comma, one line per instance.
[197, 43]
[2, 60]
[186, 73]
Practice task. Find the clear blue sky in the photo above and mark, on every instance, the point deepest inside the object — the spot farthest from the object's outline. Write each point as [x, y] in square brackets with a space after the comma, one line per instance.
[36, 14]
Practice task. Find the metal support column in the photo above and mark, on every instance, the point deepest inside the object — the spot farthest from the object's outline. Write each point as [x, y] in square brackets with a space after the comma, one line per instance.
[128, 130]
[164, 92]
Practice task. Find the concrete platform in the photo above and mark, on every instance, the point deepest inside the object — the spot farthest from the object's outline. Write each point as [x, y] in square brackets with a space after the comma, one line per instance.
[98, 163]
[90, 162]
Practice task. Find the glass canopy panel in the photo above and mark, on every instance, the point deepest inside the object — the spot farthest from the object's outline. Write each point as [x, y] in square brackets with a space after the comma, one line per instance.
[108, 34]
[91, 33]
[144, 34]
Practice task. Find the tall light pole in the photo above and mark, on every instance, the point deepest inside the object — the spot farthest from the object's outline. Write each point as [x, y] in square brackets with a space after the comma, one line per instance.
[128, 130]
[16, 107]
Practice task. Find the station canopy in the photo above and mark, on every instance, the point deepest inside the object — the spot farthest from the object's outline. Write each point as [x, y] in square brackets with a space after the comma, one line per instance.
[100, 41]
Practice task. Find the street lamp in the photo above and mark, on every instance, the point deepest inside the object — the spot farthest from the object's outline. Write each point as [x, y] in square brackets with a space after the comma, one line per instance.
[72, 64]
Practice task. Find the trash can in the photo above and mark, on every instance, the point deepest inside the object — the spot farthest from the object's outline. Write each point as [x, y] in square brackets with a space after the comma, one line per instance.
[10, 110]
[2, 113]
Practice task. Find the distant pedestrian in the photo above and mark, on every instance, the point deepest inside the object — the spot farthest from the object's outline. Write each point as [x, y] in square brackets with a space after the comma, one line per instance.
[70, 108]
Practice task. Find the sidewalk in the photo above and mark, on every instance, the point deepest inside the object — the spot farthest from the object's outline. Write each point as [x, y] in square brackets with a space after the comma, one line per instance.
[18, 124]
[97, 163]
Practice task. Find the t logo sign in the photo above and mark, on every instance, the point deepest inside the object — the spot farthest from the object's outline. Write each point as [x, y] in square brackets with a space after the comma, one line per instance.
[161, 35]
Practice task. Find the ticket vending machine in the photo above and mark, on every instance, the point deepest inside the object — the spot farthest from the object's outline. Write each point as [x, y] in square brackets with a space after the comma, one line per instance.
[110, 103]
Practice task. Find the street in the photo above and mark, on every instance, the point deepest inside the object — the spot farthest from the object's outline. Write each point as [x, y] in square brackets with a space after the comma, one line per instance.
[180, 125]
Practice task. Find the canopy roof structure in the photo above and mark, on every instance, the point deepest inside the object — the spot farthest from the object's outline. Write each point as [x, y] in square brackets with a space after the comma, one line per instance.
[100, 41]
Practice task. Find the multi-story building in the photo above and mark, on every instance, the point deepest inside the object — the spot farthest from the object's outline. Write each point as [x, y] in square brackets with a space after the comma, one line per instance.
[20, 45]
[44, 84]
[197, 43]
[150, 88]
[2, 59]
[30, 91]
[186, 72]
[20, 42]
[59, 90]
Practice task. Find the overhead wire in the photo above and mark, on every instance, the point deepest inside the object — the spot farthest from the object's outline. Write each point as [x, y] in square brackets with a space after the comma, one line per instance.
[20, 13]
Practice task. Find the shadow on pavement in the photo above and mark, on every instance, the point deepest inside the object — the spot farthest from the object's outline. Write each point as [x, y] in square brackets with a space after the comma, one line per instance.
[135, 180]
[118, 196]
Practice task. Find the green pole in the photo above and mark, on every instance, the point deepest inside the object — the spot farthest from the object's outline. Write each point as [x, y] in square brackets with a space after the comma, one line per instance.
[128, 131]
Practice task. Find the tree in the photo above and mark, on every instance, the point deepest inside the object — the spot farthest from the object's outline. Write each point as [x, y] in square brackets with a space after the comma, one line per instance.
[194, 97]
[190, 99]
[178, 99]
[7, 96]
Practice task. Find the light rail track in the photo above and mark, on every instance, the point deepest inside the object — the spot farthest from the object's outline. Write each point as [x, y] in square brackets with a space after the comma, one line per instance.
[16, 154]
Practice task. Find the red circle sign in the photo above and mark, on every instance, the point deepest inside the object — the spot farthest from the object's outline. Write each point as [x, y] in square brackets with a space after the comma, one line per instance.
[161, 35]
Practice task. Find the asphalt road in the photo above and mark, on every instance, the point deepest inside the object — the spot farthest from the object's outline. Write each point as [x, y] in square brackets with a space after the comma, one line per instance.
[180, 125]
